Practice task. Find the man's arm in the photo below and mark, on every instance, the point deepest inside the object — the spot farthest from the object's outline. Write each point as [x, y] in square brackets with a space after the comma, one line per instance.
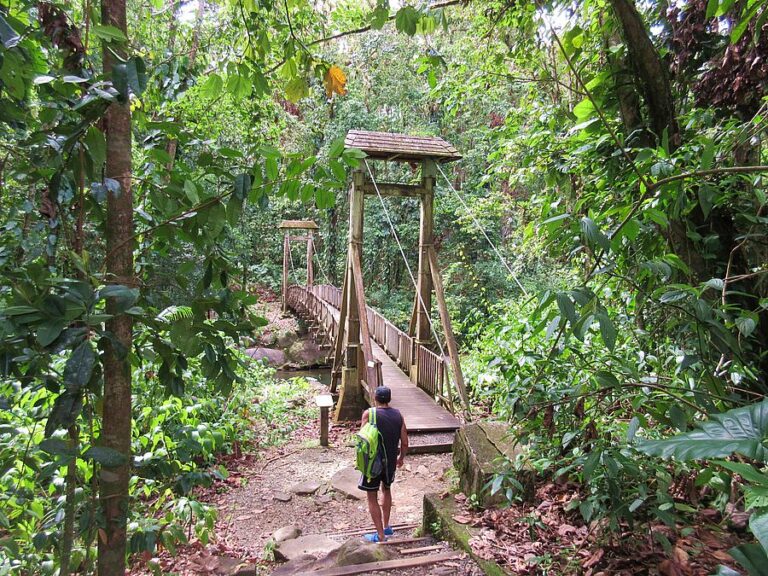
[403, 444]
[364, 419]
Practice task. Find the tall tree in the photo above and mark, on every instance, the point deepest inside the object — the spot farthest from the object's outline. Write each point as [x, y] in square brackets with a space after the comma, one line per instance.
[116, 426]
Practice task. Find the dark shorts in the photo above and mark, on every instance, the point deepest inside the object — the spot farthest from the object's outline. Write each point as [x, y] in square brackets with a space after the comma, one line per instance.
[373, 486]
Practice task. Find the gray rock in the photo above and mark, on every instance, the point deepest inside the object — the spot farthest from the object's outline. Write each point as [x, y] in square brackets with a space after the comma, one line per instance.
[423, 470]
[358, 551]
[282, 496]
[300, 565]
[312, 544]
[267, 355]
[286, 533]
[306, 352]
[345, 482]
[479, 451]
[306, 488]
[325, 499]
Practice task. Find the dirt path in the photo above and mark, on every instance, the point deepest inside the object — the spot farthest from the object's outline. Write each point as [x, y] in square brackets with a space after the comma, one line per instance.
[251, 509]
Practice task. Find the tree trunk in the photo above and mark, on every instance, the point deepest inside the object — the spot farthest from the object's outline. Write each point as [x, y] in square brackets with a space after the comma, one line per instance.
[116, 422]
[651, 71]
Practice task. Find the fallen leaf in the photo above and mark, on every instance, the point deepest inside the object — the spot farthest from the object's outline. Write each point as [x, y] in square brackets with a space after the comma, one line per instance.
[596, 556]
[335, 81]
[463, 518]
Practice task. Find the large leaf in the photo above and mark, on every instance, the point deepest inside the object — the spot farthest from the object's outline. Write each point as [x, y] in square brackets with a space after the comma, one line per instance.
[758, 524]
[107, 457]
[79, 367]
[741, 430]
[752, 557]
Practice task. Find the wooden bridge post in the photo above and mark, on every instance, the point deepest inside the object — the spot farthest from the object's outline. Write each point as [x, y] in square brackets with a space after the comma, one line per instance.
[351, 401]
[310, 255]
[286, 250]
[423, 304]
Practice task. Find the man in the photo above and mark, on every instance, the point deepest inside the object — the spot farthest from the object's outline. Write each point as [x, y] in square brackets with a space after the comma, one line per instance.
[391, 425]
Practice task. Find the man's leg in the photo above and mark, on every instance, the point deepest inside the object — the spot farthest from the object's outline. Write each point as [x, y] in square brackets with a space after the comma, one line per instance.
[375, 510]
[386, 504]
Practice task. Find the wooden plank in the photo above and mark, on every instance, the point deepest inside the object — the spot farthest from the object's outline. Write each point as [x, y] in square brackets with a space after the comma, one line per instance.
[422, 549]
[389, 564]
[393, 189]
[355, 531]
[398, 541]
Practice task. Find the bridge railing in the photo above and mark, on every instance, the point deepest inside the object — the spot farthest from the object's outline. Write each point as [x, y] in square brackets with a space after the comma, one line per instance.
[433, 374]
[321, 303]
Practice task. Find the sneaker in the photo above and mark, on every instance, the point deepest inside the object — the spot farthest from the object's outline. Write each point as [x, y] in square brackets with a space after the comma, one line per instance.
[388, 531]
[372, 537]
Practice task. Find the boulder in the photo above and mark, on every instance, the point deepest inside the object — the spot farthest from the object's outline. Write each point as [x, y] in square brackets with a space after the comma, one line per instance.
[345, 482]
[306, 488]
[267, 355]
[480, 450]
[312, 545]
[286, 533]
[306, 352]
[358, 551]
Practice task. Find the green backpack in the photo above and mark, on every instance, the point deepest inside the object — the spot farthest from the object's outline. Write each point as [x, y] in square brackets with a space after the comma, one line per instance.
[368, 453]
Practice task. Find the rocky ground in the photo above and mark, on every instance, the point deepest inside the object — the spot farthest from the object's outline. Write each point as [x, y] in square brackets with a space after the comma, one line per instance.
[310, 491]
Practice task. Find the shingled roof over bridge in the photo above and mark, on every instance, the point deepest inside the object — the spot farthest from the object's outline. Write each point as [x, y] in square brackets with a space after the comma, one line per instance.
[401, 147]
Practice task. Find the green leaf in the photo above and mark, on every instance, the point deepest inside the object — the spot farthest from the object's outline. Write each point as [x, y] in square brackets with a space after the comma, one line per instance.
[712, 6]
[584, 110]
[297, 89]
[120, 80]
[121, 297]
[242, 185]
[212, 86]
[607, 330]
[747, 471]
[97, 148]
[758, 524]
[48, 332]
[271, 168]
[746, 325]
[58, 447]
[407, 20]
[108, 33]
[379, 17]
[592, 234]
[79, 367]
[107, 457]
[190, 190]
[752, 557]
[740, 430]
[136, 72]
[567, 309]
[8, 35]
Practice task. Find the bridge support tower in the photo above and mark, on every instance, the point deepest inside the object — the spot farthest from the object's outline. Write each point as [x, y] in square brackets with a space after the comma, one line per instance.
[354, 365]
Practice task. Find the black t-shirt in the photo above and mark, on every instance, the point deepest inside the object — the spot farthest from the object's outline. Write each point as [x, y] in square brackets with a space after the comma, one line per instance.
[389, 421]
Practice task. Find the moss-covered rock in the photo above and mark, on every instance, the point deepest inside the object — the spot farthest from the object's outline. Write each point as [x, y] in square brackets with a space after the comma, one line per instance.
[481, 450]
[438, 521]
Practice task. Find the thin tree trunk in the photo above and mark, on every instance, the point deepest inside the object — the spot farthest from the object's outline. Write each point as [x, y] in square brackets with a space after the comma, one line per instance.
[116, 422]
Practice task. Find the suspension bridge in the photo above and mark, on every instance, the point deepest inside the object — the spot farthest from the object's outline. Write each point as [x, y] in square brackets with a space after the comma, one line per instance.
[367, 349]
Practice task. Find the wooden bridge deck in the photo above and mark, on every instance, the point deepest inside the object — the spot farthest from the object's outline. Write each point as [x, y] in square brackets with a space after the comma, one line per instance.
[430, 423]
[420, 411]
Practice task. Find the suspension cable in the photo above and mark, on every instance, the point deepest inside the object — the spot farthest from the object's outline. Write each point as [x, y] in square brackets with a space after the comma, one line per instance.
[480, 227]
[407, 266]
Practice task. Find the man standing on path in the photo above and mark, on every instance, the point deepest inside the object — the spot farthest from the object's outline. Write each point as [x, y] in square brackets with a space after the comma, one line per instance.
[391, 425]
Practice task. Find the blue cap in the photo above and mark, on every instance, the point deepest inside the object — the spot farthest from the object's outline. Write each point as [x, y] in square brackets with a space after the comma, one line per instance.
[383, 394]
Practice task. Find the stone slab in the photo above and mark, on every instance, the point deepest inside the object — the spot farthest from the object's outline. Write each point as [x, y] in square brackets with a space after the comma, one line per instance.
[306, 488]
[312, 545]
[345, 481]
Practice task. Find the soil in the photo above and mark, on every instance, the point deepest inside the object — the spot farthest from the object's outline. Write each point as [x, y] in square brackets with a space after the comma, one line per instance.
[250, 509]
